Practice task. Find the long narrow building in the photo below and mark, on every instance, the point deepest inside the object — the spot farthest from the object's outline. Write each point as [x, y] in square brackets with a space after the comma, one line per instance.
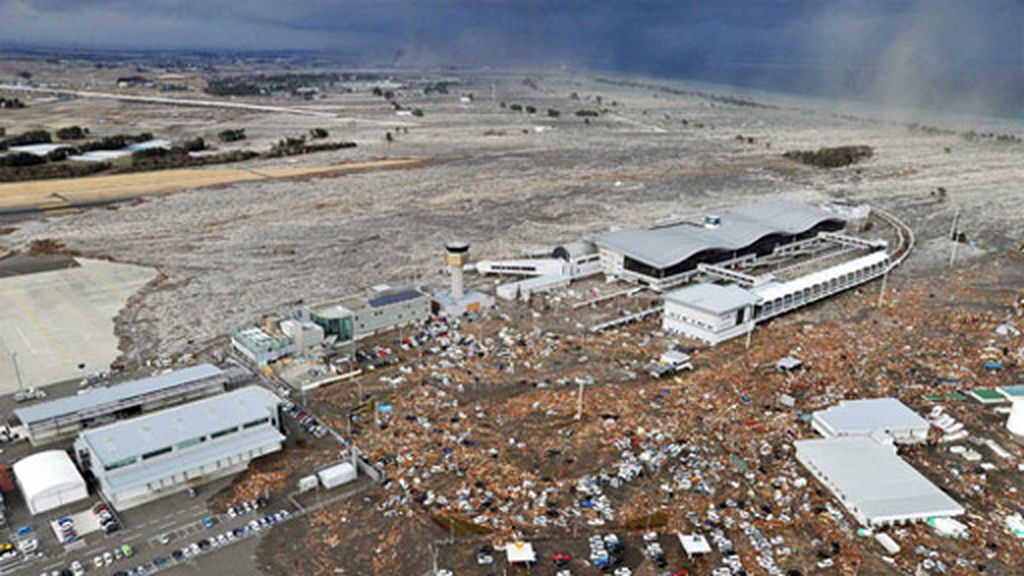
[714, 313]
[139, 460]
[65, 417]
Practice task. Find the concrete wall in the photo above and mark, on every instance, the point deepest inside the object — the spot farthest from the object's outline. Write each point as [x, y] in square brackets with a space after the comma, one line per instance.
[369, 321]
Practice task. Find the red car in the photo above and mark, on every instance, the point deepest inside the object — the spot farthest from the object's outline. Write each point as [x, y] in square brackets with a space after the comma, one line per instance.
[560, 559]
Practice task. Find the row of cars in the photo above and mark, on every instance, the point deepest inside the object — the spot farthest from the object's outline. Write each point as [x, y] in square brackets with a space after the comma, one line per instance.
[100, 561]
[246, 507]
[212, 542]
[306, 420]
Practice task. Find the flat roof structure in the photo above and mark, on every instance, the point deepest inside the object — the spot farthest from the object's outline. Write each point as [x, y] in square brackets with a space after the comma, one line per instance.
[987, 395]
[871, 416]
[713, 298]
[393, 296]
[736, 229]
[874, 484]
[136, 437]
[64, 416]
[195, 458]
[694, 544]
[518, 552]
[139, 460]
[105, 396]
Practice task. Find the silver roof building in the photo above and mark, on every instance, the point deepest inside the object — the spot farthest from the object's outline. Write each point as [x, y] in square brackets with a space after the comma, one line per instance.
[138, 460]
[868, 416]
[56, 418]
[874, 484]
[713, 298]
[738, 229]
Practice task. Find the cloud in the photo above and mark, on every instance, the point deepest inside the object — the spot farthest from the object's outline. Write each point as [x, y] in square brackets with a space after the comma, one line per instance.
[933, 53]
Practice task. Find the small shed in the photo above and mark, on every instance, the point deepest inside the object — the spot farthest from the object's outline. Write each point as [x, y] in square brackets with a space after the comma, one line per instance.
[520, 552]
[694, 544]
[789, 364]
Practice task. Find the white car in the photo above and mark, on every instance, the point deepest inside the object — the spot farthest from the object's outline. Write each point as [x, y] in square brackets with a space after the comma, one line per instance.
[77, 569]
[98, 561]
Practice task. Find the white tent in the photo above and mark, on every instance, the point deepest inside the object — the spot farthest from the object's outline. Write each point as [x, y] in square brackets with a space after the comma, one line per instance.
[337, 475]
[49, 480]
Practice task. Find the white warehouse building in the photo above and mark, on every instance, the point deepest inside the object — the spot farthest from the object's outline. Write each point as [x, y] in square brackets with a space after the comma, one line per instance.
[139, 460]
[872, 482]
[872, 416]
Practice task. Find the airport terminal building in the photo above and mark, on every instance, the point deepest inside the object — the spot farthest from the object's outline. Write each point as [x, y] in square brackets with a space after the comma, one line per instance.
[668, 255]
[139, 460]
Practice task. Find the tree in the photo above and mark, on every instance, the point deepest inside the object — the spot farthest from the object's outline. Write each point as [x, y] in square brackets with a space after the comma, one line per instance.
[231, 135]
[72, 133]
[193, 145]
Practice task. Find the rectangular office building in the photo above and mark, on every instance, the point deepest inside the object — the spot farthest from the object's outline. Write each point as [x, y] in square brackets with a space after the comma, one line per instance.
[137, 461]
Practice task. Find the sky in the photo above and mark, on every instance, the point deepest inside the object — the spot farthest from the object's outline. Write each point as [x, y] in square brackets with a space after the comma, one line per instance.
[955, 54]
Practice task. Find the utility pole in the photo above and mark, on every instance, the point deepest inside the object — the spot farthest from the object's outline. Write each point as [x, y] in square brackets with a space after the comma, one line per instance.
[881, 292]
[953, 234]
[579, 405]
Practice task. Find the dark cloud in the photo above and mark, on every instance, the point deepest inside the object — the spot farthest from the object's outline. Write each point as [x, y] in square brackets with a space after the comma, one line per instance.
[922, 52]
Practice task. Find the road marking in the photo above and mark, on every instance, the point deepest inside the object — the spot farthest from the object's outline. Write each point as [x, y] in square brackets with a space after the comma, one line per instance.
[26, 340]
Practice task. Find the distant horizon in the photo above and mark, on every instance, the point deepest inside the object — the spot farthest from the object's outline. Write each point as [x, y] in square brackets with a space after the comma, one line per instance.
[943, 55]
[710, 79]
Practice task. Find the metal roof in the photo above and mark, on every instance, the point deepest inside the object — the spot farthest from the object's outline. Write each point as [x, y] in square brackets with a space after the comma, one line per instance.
[394, 297]
[713, 298]
[775, 289]
[205, 454]
[740, 227]
[129, 438]
[869, 415]
[874, 480]
[98, 397]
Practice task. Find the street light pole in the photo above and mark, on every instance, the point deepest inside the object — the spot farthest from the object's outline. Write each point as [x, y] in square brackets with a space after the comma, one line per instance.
[17, 371]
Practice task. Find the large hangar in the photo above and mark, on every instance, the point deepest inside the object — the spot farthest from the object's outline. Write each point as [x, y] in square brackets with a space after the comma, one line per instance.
[49, 480]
